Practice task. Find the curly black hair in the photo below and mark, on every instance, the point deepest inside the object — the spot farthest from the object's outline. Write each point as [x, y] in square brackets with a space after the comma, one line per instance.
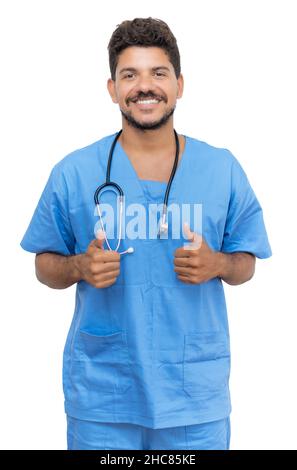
[143, 32]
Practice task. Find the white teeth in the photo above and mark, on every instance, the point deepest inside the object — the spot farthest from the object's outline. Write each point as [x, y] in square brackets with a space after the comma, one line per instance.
[147, 101]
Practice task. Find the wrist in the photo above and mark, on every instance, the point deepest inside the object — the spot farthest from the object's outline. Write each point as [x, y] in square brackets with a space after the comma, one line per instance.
[76, 272]
[222, 264]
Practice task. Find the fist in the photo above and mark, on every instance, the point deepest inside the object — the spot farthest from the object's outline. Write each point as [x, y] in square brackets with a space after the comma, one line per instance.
[99, 267]
[196, 262]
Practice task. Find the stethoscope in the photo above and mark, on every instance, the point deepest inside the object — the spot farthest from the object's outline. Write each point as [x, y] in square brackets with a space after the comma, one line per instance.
[163, 226]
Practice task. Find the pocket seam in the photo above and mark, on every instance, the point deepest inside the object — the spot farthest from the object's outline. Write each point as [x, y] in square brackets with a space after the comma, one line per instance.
[121, 385]
[197, 389]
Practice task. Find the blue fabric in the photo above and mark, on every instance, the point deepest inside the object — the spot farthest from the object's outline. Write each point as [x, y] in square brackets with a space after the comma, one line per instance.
[148, 350]
[92, 435]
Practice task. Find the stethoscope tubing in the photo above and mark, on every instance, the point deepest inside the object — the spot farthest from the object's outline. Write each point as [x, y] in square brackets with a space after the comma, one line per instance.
[117, 187]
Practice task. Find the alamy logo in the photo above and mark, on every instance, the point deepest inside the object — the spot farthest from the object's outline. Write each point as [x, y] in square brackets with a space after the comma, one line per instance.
[142, 222]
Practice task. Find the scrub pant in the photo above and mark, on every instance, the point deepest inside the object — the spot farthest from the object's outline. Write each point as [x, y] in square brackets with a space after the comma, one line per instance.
[94, 435]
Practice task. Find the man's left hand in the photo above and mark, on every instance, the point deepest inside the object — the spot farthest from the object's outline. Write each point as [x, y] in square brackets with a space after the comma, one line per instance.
[196, 262]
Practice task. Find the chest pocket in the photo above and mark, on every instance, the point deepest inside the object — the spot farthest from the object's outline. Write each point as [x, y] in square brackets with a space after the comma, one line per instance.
[206, 363]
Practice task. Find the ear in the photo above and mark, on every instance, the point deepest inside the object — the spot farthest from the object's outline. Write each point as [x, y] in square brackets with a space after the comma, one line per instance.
[112, 90]
[180, 86]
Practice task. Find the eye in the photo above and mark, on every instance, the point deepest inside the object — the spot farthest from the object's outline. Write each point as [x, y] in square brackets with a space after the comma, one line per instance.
[160, 74]
[129, 75]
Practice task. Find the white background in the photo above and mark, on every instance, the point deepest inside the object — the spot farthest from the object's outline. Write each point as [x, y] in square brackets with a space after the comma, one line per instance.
[239, 62]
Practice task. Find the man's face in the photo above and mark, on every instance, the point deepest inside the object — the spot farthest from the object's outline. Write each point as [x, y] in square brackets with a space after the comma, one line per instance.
[145, 87]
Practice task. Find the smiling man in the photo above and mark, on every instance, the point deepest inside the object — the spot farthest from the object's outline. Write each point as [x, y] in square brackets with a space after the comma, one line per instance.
[147, 357]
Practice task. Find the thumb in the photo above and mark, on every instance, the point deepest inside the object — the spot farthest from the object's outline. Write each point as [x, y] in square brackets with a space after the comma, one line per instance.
[100, 239]
[194, 238]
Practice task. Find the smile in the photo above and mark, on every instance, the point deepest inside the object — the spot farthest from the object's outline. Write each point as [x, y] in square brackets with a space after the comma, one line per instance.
[147, 101]
[146, 104]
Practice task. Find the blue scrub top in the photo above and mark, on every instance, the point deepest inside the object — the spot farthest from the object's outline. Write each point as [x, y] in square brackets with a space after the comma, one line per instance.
[150, 349]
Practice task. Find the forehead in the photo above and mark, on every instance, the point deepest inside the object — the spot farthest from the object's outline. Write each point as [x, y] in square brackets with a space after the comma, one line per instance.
[143, 58]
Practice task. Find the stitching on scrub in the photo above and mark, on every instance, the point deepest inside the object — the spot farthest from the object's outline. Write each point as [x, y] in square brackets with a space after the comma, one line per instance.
[124, 362]
[128, 284]
[186, 438]
[75, 440]
[104, 446]
[175, 284]
[173, 414]
[228, 433]
[209, 417]
[143, 441]
[69, 433]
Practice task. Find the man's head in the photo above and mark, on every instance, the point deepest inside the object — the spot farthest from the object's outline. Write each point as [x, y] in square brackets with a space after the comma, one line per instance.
[145, 65]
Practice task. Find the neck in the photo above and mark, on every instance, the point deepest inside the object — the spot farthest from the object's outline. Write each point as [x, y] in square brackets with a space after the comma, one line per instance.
[148, 141]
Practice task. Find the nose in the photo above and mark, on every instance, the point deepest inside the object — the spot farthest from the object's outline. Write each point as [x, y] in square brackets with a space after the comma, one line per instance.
[145, 83]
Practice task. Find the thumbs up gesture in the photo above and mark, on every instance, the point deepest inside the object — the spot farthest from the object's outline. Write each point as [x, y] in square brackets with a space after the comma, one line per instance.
[196, 262]
[97, 266]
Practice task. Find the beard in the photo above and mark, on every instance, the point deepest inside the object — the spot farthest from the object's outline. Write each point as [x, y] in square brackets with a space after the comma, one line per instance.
[147, 125]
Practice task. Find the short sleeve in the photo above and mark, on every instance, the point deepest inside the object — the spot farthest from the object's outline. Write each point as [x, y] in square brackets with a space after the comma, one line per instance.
[50, 229]
[245, 229]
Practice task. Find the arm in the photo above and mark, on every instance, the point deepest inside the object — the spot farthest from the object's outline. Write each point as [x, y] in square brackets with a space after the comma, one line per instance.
[97, 266]
[57, 271]
[236, 268]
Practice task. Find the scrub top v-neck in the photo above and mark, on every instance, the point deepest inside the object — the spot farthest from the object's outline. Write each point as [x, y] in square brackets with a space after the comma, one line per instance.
[150, 349]
[147, 185]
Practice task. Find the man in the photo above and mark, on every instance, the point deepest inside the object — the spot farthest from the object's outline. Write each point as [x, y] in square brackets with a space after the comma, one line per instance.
[147, 358]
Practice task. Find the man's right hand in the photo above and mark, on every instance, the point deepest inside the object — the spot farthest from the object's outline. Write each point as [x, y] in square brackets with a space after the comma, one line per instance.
[98, 267]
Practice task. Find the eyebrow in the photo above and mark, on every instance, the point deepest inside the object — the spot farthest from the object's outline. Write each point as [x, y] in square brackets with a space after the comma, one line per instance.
[132, 69]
